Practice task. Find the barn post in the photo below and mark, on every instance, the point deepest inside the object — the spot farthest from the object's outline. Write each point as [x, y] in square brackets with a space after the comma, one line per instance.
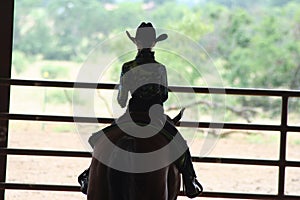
[6, 37]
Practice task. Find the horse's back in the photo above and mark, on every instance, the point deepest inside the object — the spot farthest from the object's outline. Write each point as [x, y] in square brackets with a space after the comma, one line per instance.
[138, 186]
[111, 184]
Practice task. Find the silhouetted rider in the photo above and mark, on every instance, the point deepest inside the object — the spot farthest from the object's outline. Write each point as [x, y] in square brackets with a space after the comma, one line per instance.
[146, 80]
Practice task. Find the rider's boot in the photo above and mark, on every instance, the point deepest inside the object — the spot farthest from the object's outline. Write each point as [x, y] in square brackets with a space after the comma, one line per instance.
[83, 180]
[191, 185]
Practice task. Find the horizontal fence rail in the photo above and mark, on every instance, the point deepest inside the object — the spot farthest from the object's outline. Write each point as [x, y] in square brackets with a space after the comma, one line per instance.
[189, 124]
[282, 163]
[84, 154]
[68, 188]
[183, 89]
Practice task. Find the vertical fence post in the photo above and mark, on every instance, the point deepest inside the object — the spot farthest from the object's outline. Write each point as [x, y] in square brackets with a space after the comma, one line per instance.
[283, 144]
[6, 30]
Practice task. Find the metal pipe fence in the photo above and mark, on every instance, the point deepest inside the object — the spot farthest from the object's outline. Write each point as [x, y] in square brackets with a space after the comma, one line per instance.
[6, 24]
[281, 163]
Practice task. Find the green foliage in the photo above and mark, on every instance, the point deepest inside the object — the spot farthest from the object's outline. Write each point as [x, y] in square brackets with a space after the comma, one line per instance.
[165, 19]
[261, 53]
[296, 142]
[255, 44]
[32, 35]
[63, 97]
[259, 138]
[56, 97]
[19, 61]
[51, 71]
[63, 128]
[191, 25]
[255, 138]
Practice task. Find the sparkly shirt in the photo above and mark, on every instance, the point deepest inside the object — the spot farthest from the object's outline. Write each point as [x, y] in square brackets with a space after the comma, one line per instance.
[144, 78]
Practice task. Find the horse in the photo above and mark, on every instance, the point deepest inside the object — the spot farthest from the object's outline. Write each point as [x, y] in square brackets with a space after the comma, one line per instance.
[107, 183]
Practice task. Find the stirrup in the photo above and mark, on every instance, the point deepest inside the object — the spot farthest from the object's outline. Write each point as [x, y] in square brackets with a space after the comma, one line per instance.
[83, 180]
[197, 184]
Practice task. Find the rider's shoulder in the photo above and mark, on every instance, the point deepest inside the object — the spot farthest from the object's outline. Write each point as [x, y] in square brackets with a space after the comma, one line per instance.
[134, 63]
[161, 65]
[129, 64]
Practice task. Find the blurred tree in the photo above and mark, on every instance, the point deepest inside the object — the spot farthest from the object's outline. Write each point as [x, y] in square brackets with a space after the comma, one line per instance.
[264, 56]
[247, 41]
[253, 43]
[31, 34]
[51, 71]
[163, 18]
[77, 24]
[19, 61]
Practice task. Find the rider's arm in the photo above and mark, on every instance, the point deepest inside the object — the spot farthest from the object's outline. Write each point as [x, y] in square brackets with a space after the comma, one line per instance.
[123, 90]
[164, 79]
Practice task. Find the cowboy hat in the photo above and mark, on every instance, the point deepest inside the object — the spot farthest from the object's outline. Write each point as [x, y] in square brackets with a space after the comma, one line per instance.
[145, 36]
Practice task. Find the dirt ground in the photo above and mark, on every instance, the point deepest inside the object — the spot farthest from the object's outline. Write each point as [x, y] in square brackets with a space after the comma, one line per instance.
[214, 177]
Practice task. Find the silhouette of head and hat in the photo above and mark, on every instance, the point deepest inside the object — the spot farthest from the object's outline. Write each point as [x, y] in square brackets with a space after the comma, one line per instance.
[145, 36]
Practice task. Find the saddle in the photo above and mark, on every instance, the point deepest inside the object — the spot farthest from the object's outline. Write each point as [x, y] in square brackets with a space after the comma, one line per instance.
[142, 119]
